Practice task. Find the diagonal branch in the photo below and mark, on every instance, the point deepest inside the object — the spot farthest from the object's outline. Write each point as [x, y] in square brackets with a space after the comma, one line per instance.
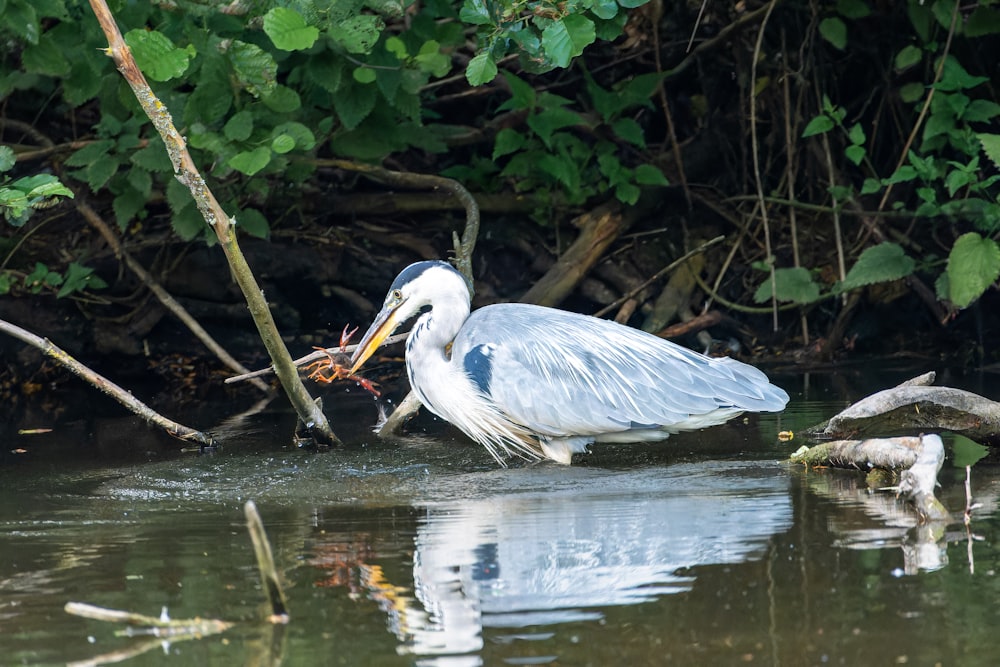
[224, 227]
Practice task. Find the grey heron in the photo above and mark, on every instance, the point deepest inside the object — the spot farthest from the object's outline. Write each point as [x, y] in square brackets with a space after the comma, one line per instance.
[538, 382]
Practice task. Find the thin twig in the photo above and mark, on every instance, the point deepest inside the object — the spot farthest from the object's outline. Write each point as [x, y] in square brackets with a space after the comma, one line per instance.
[659, 274]
[168, 301]
[790, 174]
[464, 245]
[756, 160]
[107, 386]
[722, 37]
[661, 90]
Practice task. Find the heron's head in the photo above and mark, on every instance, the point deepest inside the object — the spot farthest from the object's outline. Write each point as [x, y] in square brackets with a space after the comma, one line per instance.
[416, 287]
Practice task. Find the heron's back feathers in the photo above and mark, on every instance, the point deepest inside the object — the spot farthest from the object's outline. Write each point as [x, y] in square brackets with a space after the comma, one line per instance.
[562, 374]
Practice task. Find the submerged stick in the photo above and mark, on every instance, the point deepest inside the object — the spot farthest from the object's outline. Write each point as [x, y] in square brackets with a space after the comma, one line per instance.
[265, 562]
[917, 460]
[160, 627]
[107, 386]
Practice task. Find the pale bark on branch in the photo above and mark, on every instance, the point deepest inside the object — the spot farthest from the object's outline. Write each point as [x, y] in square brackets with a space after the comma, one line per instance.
[309, 411]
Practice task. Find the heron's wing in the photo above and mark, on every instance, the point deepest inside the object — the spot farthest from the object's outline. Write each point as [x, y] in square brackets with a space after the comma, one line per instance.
[560, 373]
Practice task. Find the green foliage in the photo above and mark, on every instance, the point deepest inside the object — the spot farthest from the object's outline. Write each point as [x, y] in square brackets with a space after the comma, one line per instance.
[790, 284]
[881, 263]
[544, 34]
[77, 278]
[945, 172]
[257, 93]
[558, 153]
[20, 197]
[973, 266]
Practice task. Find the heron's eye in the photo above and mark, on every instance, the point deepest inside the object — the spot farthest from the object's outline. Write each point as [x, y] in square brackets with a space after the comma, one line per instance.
[397, 295]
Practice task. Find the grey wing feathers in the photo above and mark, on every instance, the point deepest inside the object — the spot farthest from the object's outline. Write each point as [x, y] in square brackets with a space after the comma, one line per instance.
[561, 373]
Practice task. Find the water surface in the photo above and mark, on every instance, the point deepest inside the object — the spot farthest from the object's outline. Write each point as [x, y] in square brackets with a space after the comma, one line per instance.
[706, 549]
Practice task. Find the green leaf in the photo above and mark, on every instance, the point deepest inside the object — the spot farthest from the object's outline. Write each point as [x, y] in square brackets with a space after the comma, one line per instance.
[508, 140]
[304, 138]
[481, 69]
[627, 193]
[90, 153]
[973, 266]
[547, 122]
[253, 223]
[255, 68]
[282, 99]
[818, 125]
[990, 144]
[834, 31]
[911, 92]
[791, 284]
[856, 134]
[647, 174]
[870, 186]
[853, 9]
[79, 278]
[364, 74]
[282, 144]
[475, 12]
[562, 169]
[7, 158]
[856, 154]
[45, 58]
[22, 20]
[981, 111]
[250, 162]
[954, 77]
[157, 56]
[289, 30]
[126, 206]
[881, 263]
[604, 9]
[566, 38]
[239, 127]
[982, 22]
[42, 185]
[523, 96]
[908, 57]
[358, 34]
[355, 104]
[630, 131]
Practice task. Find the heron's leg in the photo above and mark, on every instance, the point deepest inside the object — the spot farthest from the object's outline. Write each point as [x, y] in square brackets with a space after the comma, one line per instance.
[561, 450]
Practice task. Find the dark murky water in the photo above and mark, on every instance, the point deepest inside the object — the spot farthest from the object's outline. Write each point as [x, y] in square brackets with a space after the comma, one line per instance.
[707, 549]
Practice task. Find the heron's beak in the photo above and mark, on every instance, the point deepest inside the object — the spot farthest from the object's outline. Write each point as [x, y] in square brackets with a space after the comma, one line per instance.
[385, 323]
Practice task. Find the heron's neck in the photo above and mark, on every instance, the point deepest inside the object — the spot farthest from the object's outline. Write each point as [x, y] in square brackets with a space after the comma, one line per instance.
[437, 328]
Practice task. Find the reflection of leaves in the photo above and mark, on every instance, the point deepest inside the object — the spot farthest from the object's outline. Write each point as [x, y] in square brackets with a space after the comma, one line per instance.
[965, 451]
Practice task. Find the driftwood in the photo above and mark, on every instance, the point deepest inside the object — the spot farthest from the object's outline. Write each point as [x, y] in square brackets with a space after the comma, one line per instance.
[912, 411]
[917, 461]
[913, 407]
